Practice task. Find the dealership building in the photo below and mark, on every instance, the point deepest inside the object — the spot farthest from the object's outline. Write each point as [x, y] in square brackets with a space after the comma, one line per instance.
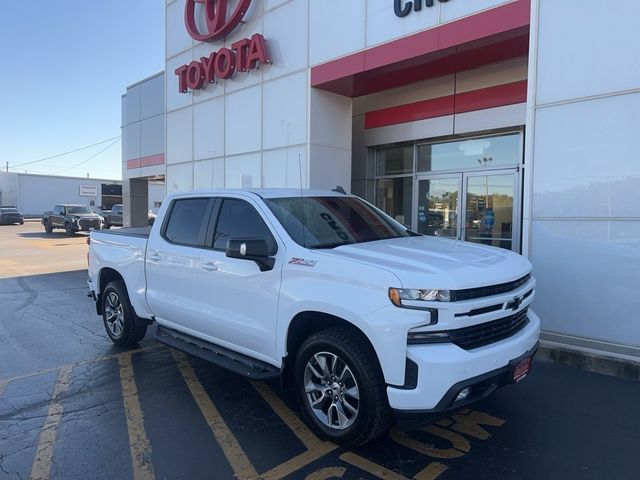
[509, 123]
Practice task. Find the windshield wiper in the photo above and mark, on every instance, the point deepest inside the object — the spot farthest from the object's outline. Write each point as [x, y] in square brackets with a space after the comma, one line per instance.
[330, 245]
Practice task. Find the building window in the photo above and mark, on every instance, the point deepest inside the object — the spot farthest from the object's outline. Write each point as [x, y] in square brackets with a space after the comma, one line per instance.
[394, 160]
[395, 197]
[485, 152]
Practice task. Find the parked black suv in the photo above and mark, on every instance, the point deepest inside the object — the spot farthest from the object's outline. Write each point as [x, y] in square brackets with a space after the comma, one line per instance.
[10, 215]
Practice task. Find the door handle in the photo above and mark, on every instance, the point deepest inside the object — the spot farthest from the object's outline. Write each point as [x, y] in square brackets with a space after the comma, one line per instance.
[154, 257]
[209, 267]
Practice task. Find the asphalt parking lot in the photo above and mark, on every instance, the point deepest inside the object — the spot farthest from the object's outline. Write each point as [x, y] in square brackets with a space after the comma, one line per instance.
[73, 406]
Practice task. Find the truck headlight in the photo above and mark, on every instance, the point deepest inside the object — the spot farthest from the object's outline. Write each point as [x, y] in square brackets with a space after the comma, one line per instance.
[397, 295]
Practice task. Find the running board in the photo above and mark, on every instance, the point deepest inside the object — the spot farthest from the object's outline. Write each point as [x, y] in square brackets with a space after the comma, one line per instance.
[236, 362]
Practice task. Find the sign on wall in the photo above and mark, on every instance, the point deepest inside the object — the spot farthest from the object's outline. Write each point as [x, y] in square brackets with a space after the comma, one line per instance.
[402, 8]
[88, 190]
[244, 55]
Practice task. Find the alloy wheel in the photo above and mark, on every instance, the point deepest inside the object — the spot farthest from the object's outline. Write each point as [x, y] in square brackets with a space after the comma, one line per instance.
[114, 314]
[331, 390]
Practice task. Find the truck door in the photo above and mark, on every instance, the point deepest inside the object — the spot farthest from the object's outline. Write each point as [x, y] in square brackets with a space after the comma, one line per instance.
[171, 261]
[238, 302]
[57, 216]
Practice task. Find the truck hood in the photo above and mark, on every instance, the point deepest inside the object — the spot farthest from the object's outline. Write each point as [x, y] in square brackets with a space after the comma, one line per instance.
[431, 262]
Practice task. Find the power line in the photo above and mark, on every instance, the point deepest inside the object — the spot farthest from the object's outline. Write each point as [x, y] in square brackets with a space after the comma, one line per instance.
[66, 153]
[90, 158]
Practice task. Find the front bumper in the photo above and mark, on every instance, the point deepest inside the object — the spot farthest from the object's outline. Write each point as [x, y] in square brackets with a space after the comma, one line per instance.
[441, 368]
[480, 387]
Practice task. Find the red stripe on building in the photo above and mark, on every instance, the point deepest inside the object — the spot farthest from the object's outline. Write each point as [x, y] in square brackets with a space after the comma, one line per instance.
[486, 37]
[148, 161]
[491, 97]
[498, 96]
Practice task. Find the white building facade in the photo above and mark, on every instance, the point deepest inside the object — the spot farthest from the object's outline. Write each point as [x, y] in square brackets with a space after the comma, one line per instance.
[508, 123]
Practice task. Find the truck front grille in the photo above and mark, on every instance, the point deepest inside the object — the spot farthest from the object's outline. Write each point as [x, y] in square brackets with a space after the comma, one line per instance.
[89, 223]
[486, 333]
[479, 292]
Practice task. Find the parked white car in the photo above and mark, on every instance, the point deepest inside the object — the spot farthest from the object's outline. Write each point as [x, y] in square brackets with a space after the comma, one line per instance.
[365, 318]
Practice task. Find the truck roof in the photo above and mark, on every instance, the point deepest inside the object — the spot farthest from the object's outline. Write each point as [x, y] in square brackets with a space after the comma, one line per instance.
[268, 192]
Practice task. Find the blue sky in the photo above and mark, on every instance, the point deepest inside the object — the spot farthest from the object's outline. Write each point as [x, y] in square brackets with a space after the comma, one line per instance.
[65, 65]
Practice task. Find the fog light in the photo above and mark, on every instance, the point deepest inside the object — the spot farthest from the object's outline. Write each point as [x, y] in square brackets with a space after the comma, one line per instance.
[464, 393]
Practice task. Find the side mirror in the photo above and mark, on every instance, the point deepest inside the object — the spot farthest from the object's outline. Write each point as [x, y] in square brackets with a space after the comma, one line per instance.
[255, 249]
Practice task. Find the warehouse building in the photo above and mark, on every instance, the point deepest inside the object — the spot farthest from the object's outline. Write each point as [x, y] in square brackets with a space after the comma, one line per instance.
[510, 123]
[34, 194]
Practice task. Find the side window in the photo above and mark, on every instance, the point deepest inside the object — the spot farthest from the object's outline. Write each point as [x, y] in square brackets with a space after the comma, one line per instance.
[187, 223]
[238, 219]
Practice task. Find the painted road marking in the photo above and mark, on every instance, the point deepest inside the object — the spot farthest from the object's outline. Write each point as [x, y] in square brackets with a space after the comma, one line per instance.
[232, 450]
[316, 448]
[370, 467]
[327, 473]
[460, 446]
[115, 356]
[41, 468]
[138, 441]
[431, 472]
[469, 422]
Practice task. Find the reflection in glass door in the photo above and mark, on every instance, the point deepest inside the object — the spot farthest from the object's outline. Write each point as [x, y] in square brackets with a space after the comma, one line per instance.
[489, 199]
[438, 205]
[489, 215]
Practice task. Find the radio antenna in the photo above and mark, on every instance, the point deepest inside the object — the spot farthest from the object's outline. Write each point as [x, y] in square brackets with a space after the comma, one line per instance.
[304, 242]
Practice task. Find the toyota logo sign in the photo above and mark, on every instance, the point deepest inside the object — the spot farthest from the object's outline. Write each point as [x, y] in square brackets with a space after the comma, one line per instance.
[218, 23]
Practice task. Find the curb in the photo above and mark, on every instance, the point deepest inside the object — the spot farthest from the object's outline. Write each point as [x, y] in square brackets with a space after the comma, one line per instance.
[621, 366]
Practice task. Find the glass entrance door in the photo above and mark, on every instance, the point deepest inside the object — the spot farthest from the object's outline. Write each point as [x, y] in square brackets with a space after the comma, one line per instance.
[477, 207]
[489, 200]
[438, 203]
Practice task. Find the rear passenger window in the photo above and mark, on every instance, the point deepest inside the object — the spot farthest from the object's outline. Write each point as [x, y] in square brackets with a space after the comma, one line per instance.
[188, 222]
[238, 219]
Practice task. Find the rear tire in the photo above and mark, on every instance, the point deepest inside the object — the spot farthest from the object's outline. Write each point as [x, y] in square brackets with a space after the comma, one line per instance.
[341, 388]
[47, 227]
[119, 317]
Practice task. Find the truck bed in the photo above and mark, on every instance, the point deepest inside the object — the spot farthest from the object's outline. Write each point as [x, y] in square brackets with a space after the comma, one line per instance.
[142, 232]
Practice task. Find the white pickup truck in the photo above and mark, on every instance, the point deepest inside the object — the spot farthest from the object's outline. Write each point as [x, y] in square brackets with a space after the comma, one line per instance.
[364, 318]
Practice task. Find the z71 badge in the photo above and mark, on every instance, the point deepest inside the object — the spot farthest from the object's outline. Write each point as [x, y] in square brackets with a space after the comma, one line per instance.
[303, 262]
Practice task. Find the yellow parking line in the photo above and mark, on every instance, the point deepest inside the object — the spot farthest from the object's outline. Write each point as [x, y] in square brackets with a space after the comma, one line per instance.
[304, 434]
[41, 468]
[231, 448]
[138, 442]
[431, 472]
[370, 467]
[78, 364]
[316, 447]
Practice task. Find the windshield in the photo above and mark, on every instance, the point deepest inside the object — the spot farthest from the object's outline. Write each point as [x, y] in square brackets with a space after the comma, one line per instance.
[8, 210]
[78, 210]
[329, 222]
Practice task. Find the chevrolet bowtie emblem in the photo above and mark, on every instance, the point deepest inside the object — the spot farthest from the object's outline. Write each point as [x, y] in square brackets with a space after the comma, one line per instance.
[515, 303]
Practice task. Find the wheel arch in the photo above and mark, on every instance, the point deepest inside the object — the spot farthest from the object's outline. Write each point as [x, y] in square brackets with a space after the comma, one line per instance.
[106, 276]
[304, 324]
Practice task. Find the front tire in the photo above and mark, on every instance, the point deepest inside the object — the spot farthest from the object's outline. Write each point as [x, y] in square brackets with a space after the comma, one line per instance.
[68, 228]
[341, 388]
[47, 227]
[119, 317]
